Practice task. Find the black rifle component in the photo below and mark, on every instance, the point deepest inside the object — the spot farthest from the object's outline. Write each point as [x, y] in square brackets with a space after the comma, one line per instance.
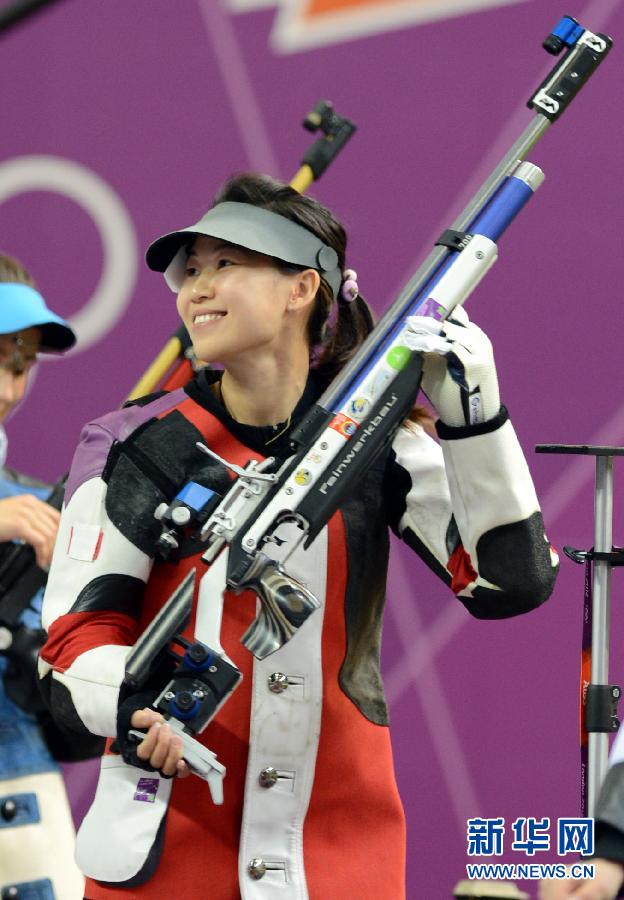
[336, 132]
[585, 53]
[197, 690]
[170, 620]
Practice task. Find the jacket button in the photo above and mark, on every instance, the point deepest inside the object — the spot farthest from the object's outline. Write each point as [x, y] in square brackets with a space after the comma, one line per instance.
[268, 777]
[257, 868]
[278, 682]
[8, 810]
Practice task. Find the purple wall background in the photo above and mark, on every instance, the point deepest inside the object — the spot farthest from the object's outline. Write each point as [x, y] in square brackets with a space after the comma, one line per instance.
[484, 714]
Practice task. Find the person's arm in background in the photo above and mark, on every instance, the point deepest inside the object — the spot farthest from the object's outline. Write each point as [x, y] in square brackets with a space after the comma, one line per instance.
[24, 517]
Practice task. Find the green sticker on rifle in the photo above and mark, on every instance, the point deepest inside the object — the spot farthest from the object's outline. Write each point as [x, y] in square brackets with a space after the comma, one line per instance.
[398, 357]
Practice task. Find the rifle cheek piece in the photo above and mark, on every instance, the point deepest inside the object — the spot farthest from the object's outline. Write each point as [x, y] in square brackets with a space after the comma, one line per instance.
[255, 229]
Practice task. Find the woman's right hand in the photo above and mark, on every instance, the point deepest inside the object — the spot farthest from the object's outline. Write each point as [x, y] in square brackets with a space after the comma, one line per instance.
[459, 374]
[26, 518]
[160, 747]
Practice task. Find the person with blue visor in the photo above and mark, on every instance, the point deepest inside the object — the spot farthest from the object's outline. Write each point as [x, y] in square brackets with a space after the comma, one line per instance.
[36, 830]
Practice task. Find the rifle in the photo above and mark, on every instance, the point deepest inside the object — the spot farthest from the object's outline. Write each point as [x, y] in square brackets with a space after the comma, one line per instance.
[272, 509]
[361, 410]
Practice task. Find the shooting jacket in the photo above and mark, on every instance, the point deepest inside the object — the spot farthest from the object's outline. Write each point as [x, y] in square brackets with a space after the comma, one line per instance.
[332, 824]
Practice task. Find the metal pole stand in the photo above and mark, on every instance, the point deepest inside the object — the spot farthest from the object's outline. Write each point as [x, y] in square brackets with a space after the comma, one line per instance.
[599, 698]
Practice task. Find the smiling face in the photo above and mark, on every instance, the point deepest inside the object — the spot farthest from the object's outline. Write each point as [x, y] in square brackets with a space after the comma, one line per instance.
[234, 302]
[18, 353]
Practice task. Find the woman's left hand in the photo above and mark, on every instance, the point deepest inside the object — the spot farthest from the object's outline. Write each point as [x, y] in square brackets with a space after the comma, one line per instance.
[459, 374]
[160, 747]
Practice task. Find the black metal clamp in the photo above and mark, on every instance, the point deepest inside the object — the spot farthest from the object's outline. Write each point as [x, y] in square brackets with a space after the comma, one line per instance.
[585, 52]
[601, 713]
[615, 557]
[336, 132]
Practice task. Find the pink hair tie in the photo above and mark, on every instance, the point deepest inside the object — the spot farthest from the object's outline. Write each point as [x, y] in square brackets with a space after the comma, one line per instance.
[350, 289]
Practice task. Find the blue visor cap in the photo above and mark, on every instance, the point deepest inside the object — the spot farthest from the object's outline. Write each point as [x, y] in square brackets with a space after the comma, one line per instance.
[23, 307]
[253, 228]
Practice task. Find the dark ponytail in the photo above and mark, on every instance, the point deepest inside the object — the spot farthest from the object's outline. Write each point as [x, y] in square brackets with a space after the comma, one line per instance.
[353, 323]
[335, 329]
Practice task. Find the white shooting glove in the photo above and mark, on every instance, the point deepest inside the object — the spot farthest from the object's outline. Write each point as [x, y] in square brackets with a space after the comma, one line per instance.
[459, 374]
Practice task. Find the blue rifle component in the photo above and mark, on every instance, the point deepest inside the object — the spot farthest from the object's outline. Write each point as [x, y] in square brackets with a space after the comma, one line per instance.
[502, 208]
[196, 660]
[195, 495]
[180, 709]
[190, 508]
[566, 33]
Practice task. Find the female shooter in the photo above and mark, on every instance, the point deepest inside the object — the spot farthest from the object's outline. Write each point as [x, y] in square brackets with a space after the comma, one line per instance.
[311, 806]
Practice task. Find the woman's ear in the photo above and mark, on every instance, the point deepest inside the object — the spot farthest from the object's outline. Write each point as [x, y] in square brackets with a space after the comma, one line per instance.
[304, 289]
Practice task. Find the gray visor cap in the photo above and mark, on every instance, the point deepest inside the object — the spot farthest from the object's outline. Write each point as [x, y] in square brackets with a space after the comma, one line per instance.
[253, 228]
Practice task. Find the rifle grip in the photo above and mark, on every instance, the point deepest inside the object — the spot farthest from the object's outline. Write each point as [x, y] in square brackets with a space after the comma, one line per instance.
[285, 606]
